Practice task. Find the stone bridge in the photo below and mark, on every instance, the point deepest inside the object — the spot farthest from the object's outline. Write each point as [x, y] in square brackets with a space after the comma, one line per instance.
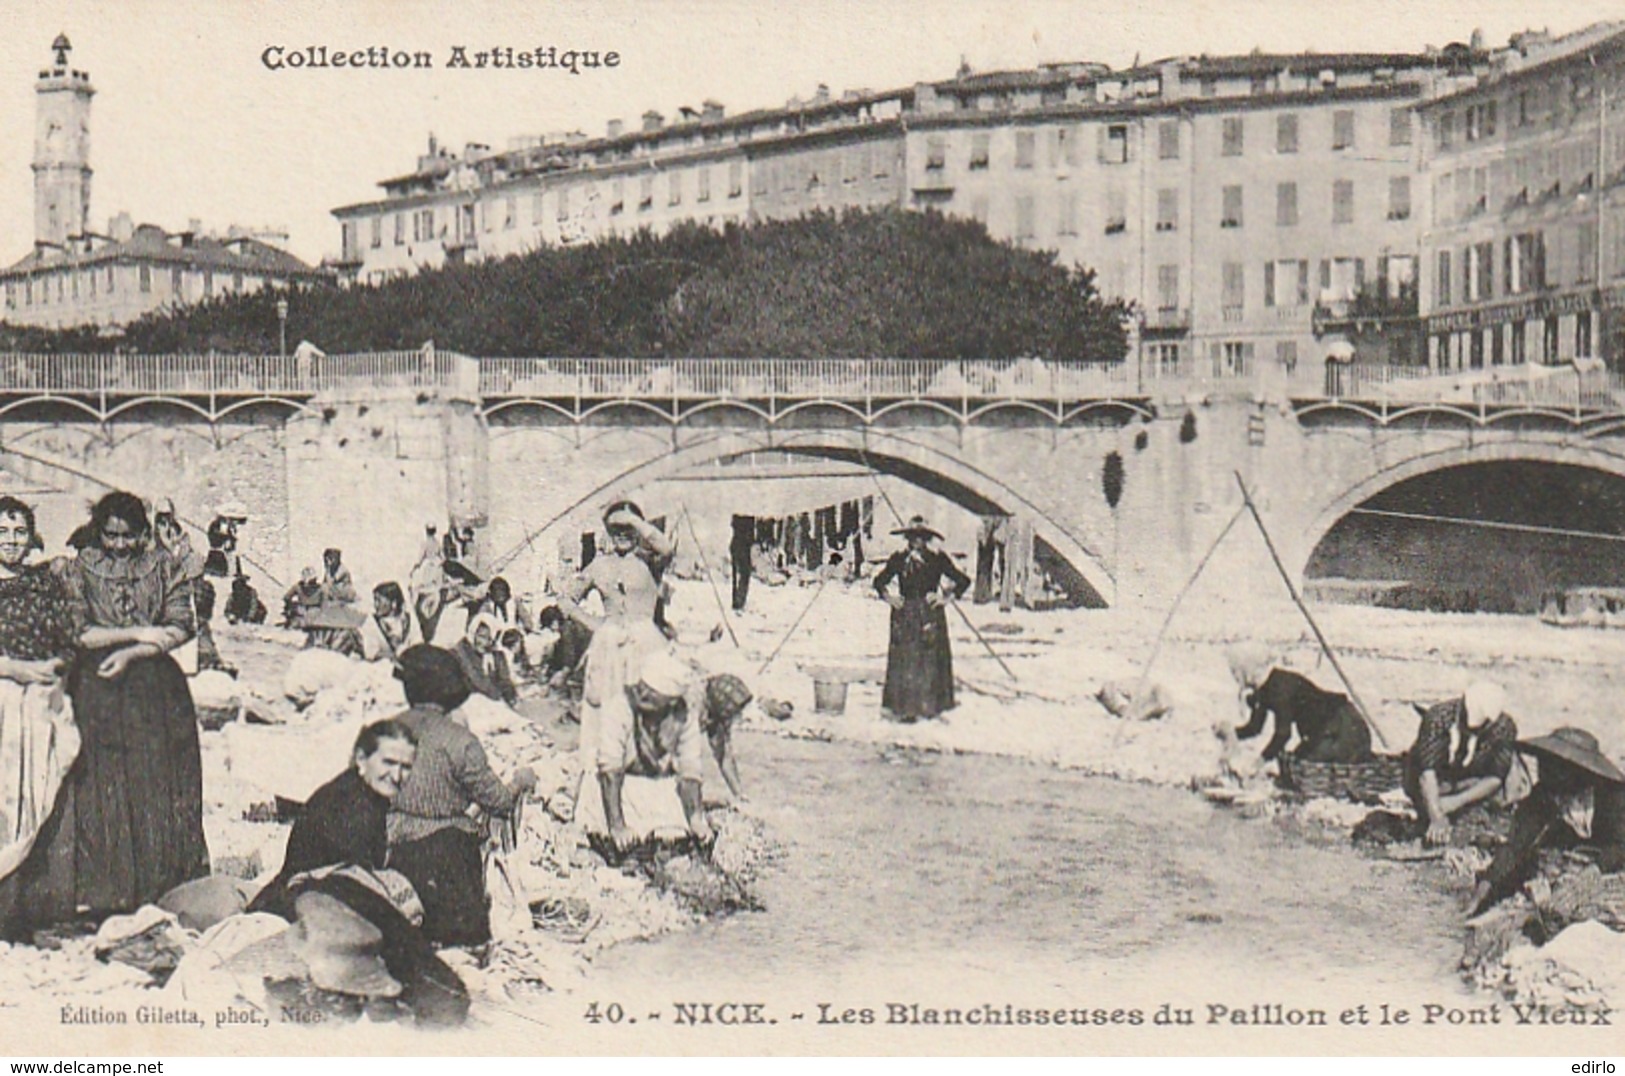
[359, 451]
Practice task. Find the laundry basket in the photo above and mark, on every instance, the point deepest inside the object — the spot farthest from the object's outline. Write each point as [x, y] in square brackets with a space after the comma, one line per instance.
[1361, 782]
[829, 695]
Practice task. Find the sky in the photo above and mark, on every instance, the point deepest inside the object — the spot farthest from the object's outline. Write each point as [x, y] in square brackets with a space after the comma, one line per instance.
[188, 122]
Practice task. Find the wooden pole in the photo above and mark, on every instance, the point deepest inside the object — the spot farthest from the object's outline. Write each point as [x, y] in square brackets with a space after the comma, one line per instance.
[706, 567]
[1162, 632]
[1297, 599]
[763, 667]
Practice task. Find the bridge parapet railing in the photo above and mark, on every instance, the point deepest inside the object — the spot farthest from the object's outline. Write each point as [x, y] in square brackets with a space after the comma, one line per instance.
[1585, 385]
[838, 379]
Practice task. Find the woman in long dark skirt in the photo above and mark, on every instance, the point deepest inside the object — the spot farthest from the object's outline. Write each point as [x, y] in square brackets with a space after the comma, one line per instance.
[138, 785]
[919, 663]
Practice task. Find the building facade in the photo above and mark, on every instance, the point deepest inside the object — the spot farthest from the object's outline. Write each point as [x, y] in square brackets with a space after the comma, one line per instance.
[74, 276]
[1524, 252]
[1228, 197]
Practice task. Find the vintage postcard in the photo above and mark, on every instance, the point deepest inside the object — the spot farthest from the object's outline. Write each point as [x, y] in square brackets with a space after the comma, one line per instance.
[812, 528]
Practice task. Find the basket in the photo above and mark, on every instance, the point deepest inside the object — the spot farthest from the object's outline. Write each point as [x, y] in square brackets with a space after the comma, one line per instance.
[829, 696]
[1361, 782]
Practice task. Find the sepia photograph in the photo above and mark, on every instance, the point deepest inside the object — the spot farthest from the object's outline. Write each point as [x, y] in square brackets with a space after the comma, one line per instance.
[922, 527]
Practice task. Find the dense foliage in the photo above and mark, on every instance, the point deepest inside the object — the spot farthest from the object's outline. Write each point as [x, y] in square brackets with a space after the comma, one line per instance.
[855, 285]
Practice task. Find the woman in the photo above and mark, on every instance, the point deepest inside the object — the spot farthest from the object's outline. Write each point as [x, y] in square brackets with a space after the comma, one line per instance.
[1464, 752]
[37, 735]
[485, 666]
[433, 838]
[1329, 728]
[627, 631]
[138, 787]
[919, 664]
[391, 629]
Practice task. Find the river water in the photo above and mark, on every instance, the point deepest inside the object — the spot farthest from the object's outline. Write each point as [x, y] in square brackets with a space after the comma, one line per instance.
[963, 878]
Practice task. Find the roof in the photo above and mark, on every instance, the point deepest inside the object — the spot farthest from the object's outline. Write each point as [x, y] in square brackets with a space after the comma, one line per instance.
[152, 244]
[1269, 63]
[1517, 66]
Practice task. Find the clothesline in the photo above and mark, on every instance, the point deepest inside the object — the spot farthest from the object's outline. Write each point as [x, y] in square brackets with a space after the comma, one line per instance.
[1488, 524]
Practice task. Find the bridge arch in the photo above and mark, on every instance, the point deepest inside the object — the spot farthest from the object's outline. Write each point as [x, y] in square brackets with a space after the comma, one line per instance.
[1592, 455]
[885, 452]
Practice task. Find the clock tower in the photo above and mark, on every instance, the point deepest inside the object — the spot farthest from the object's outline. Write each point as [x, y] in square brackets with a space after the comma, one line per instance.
[61, 149]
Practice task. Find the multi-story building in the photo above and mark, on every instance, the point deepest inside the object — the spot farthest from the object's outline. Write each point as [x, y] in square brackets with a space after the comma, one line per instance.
[1524, 249]
[1226, 196]
[75, 276]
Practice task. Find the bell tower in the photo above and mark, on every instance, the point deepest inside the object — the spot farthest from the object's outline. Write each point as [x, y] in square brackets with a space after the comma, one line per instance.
[61, 149]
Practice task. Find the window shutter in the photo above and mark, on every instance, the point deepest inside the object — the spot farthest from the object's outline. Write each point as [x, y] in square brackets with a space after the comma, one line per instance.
[1269, 283]
[1359, 274]
[1103, 141]
[1325, 274]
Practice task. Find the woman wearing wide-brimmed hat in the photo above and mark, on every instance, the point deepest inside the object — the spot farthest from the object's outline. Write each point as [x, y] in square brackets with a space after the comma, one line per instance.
[919, 664]
[1579, 802]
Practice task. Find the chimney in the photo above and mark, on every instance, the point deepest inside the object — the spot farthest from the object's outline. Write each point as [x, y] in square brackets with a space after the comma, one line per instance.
[121, 228]
[713, 110]
[434, 145]
[615, 129]
[688, 114]
[653, 121]
[822, 96]
[1476, 41]
[195, 225]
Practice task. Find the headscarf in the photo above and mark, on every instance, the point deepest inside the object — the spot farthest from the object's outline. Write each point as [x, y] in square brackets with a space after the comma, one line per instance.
[1484, 701]
[485, 620]
[1250, 663]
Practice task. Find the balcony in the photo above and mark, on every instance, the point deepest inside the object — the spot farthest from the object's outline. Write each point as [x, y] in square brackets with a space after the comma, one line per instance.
[1166, 320]
[1374, 306]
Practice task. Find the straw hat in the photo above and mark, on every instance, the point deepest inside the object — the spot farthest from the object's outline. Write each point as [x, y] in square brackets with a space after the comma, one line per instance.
[341, 949]
[232, 510]
[1576, 747]
[917, 525]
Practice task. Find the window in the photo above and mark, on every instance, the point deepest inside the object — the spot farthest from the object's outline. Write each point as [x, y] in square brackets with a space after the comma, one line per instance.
[1286, 204]
[1520, 343]
[1235, 358]
[146, 274]
[1233, 137]
[1230, 217]
[1026, 148]
[646, 194]
[1479, 272]
[1549, 338]
[90, 279]
[1114, 144]
[1399, 127]
[75, 284]
[736, 179]
[1343, 129]
[1447, 129]
[347, 241]
[858, 166]
[936, 153]
[1167, 209]
[1068, 224]
[1286, 282]
[1024, 217]
[1165, 359]
[980, 151]
[1261, 84]
[177, 281]
[109, 280]
[1585, 249]
[510, 213]
[1168, 140]
[882, 162]
[1342, 201]
[423, 223]
[1168, 288]
[1525, 263]
[1073, 137]
[237, 282]
[1399, 197]
[1582, 335]
[760, 180]
[208, 284]
[465, 223]
[1442, 286]
[674, 188]
[11, 295]
[377, 232]
[1286, 133]
[617, 196]
[1286, 355]
[562, 210]
[400, 228]
[703, 194]
[1233, 296]
[61, 289]
[28, 292]
[1116, 212]
[1480, 192]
